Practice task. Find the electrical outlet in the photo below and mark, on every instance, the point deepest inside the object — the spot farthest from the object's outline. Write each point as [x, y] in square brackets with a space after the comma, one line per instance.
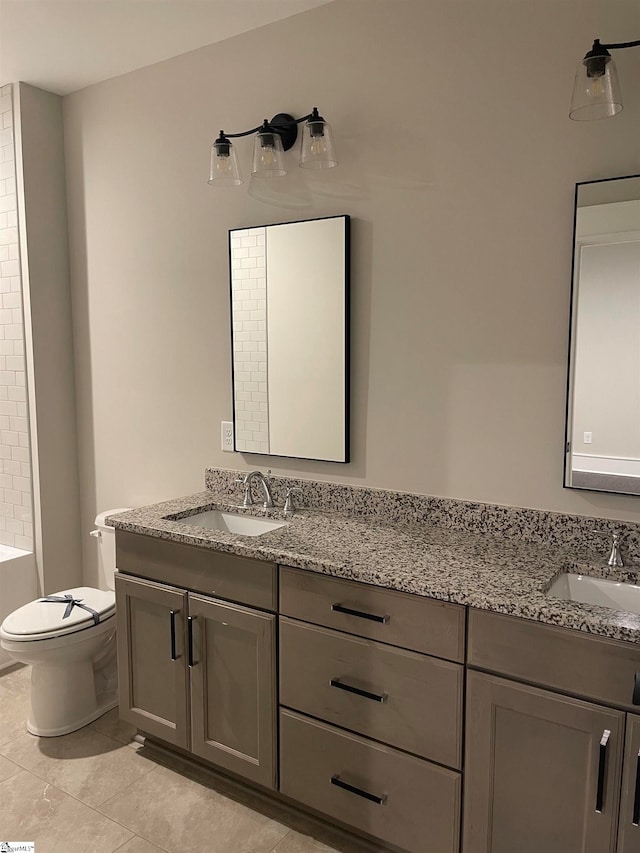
[226, 435]
[587, 438]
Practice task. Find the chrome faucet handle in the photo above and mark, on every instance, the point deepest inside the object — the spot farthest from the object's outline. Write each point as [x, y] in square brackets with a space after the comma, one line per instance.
[615, 557]
[289, 507]
[246, 501]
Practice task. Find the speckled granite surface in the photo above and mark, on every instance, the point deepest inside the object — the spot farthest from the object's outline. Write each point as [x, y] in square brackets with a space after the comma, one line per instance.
[503, 573]
[528, 525]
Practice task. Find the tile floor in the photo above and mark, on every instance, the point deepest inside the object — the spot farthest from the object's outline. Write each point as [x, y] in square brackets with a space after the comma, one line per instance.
[95, 791]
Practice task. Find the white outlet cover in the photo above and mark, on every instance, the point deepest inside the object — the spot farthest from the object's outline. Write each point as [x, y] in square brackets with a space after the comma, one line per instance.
[226, 436]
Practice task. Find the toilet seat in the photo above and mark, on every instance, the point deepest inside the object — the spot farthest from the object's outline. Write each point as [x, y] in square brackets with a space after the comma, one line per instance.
[41, 620]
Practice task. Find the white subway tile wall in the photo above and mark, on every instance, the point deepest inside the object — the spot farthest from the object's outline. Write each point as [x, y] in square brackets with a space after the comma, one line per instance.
[249, 307]
[16, 514]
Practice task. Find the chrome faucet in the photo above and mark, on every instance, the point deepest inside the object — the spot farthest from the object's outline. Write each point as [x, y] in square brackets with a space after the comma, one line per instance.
[264, 482]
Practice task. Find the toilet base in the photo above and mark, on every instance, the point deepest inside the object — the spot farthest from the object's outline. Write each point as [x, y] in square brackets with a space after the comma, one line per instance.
[74, 678]
[67, 697]
[72, 727]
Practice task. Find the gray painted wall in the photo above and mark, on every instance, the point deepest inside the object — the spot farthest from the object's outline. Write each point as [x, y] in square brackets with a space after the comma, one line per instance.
[457, 164]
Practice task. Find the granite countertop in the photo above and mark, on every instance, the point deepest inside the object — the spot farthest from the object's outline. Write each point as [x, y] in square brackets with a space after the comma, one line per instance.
[500, 574]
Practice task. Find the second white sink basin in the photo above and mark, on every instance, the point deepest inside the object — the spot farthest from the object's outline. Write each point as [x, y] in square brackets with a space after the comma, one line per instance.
[243, 525]
[588, 590]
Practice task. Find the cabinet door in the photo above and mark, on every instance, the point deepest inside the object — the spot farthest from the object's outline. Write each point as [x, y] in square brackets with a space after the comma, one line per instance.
[538, 776]
[233, 698]
[152, 669]
[629, 830]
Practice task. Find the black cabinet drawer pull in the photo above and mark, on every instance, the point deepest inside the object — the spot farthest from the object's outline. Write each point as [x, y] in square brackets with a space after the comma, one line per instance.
[636, 689]
[374, 798]
[173, 635]
[636, 799]
[377, 697]
[602, 768]
[190, 638]
[361, 614]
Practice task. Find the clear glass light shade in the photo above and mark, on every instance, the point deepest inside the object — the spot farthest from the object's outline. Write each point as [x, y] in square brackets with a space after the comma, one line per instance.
[596, 96]
[268, 156]
[318, 149]
[223, 168]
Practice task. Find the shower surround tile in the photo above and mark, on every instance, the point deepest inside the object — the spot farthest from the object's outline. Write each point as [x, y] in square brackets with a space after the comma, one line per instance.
[15, 487]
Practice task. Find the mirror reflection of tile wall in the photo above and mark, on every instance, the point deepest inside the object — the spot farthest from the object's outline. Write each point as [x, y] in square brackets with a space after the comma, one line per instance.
[248, 264]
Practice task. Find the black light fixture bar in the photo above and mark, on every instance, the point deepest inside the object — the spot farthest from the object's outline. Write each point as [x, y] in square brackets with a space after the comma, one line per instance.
[283, 124]
[619, 45]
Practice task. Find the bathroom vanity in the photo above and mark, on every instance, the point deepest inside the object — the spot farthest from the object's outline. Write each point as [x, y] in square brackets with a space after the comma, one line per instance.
[383, 676]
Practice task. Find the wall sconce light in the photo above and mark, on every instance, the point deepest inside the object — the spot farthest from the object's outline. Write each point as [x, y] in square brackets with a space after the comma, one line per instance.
[596, 90]
[272, 139]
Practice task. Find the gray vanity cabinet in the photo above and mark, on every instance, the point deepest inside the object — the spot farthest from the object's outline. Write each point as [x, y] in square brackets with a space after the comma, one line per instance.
[538, 774]
[198, 671]
[233, 702]
[629, 828]
[152, 668]
[541, 772]
[371, 692]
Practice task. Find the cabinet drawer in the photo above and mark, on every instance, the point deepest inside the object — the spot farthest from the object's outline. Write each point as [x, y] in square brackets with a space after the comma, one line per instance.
[409, 621]
[566, 660]
[400, 799]
[213, 573]
[396, 696]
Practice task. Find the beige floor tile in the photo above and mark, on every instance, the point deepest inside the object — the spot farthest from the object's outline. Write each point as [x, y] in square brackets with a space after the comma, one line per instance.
[14, 709]
[185, 817]
[33, 810]
[85, 764]
[7, 768]
[139, 845]
[111, 725]
[17, 679]
[304, 826]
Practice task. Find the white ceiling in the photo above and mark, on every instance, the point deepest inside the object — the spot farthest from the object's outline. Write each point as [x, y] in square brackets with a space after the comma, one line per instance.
[65, 45]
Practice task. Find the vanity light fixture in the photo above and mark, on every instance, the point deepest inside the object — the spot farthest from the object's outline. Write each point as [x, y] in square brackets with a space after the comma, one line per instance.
[596, 90]
[272, 139]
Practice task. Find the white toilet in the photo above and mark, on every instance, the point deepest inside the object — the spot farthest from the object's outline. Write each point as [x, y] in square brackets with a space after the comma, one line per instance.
[70, 645]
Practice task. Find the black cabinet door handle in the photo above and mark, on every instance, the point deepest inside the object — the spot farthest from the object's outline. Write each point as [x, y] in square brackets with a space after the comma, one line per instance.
[636, 798]
[190, 638]
[374, 798]
[361, 614]
[635, 699]
[172, 616]
[602, 769]
[376, 697]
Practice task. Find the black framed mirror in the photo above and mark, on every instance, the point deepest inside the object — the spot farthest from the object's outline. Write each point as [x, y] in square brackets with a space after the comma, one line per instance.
[602, 448]
[290, 338]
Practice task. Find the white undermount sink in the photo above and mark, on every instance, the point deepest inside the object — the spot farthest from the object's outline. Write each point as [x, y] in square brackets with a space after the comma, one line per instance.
[231, 522]
[588, 590]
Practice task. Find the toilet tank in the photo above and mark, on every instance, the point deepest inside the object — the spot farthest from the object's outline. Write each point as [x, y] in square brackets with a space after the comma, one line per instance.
[106, 535]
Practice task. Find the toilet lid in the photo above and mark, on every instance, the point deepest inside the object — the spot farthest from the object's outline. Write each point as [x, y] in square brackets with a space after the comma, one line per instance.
[40, 620]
